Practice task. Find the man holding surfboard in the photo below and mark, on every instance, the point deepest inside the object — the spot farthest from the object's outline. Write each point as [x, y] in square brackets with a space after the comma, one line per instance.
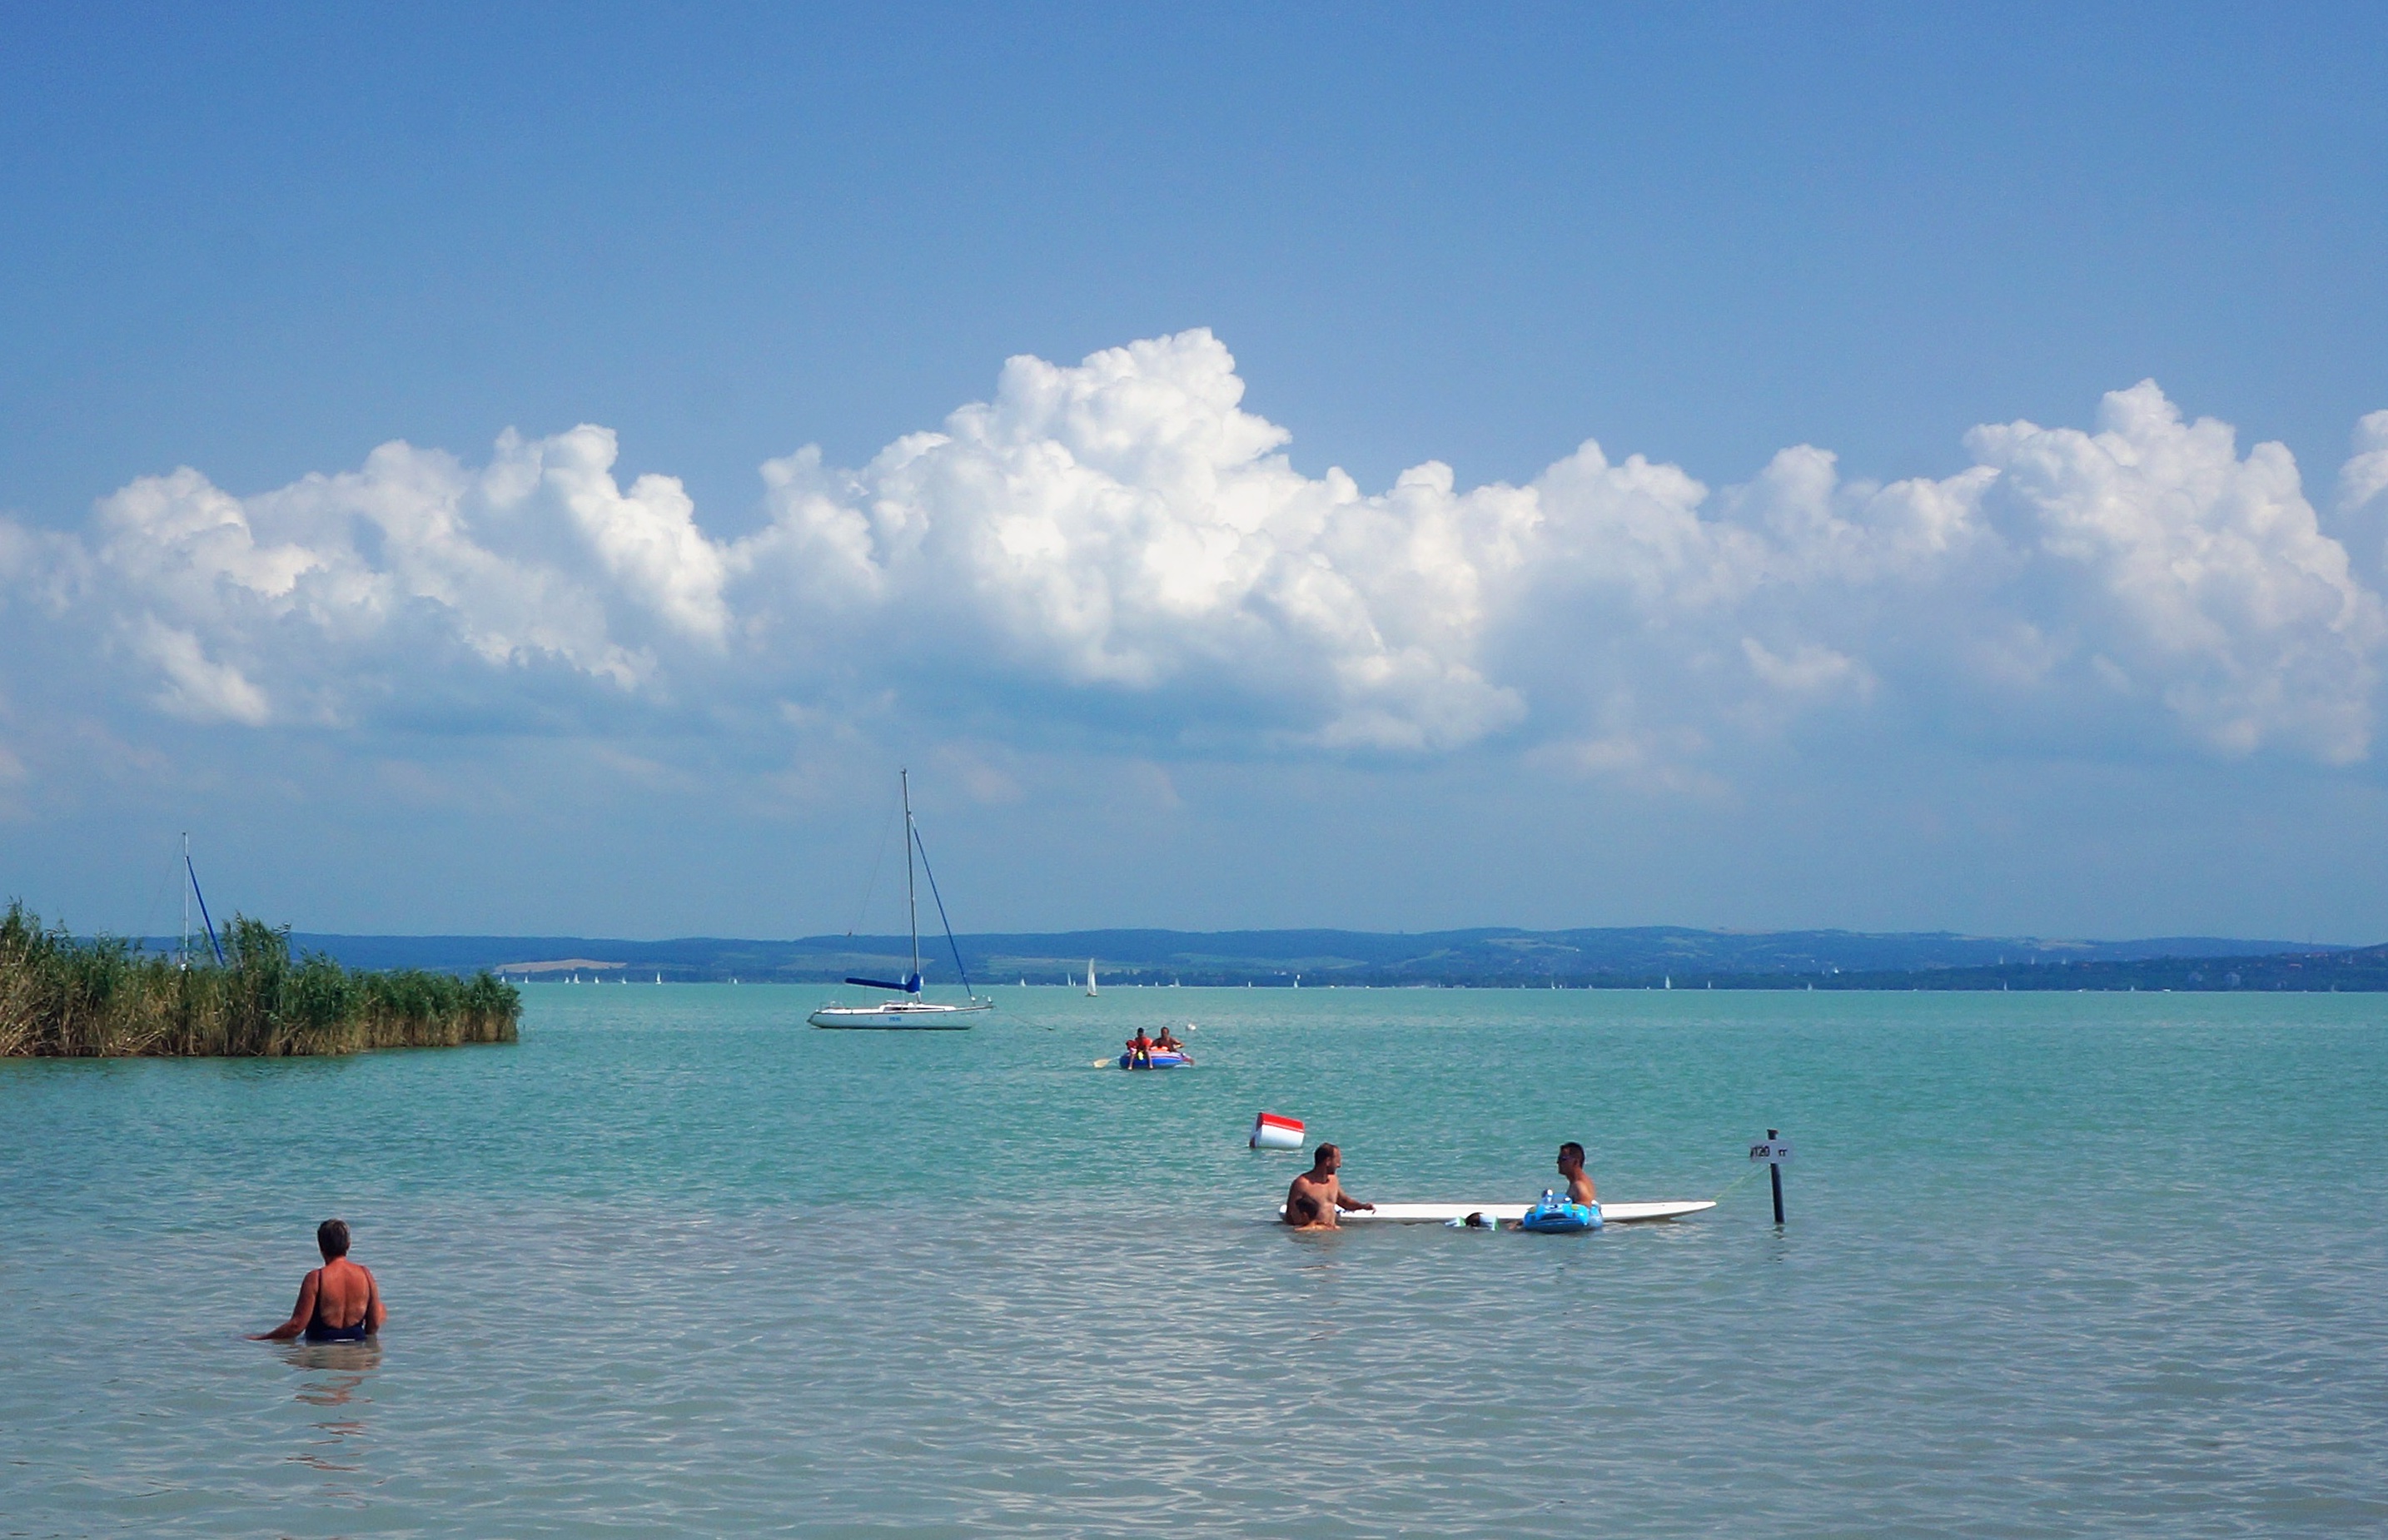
[1317, 1195]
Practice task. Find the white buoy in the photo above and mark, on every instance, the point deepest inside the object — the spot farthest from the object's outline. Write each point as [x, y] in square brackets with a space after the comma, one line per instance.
[1272, 1133]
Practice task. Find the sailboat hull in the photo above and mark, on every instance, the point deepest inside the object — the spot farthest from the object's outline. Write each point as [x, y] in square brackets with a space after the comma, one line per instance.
[905, 1015]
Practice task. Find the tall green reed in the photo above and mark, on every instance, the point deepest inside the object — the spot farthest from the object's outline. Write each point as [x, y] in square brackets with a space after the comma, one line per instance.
[105, 997]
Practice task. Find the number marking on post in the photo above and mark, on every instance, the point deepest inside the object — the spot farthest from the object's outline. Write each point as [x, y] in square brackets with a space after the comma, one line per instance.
[1773, 1151]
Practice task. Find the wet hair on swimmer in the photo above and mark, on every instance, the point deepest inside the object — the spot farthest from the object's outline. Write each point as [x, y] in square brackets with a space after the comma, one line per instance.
[1321, 1155]
[332, 1238]
[1572, 1148]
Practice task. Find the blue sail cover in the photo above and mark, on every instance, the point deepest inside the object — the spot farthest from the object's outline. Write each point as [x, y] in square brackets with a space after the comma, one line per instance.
[910, 985]
[213, 945]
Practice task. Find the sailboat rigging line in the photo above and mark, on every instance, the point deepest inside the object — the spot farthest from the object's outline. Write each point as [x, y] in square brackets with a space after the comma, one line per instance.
[956, 945]
[868, 888]
[215, 945]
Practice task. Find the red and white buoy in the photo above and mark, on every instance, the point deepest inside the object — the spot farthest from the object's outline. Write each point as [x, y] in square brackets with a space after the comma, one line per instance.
[1272, 1133]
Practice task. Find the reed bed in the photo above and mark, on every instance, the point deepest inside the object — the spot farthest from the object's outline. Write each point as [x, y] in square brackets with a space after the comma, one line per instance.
[107, 998]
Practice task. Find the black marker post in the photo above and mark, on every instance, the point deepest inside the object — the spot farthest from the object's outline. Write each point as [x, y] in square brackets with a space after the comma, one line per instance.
[1775, 1152]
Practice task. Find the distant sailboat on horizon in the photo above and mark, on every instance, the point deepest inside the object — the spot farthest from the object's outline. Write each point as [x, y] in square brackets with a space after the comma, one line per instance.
[1090, 978]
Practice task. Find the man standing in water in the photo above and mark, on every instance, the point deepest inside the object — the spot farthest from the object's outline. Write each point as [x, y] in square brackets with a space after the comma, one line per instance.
[338, 1302]
[1579, 1186]
[1317, 1195]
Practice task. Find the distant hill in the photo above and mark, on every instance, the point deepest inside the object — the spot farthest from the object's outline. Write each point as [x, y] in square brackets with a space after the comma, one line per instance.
[1491, 957]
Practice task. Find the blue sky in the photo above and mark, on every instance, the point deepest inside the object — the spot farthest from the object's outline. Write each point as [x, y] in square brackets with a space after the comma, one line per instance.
[1931, 569]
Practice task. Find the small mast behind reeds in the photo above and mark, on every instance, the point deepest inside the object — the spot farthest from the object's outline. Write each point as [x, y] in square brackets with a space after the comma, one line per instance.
[61, 997]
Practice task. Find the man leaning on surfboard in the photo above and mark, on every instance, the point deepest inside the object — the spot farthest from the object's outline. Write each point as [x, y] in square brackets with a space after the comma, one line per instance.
[1317, 1195]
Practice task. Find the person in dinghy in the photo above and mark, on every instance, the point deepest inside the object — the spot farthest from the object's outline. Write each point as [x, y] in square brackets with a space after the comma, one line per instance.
[1162, 1053]
[1317, 1195]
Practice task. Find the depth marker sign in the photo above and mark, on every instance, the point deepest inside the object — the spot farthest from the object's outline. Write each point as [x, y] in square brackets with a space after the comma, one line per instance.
[1775, 1152]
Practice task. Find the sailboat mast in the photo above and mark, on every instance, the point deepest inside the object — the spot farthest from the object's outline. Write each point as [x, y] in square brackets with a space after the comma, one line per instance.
[182, 955]
[912, 898]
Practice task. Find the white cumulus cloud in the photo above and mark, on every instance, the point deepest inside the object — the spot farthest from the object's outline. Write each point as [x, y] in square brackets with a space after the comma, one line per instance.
[310, 601]
[2190, 575]
[1125, 524]
[1121, 538]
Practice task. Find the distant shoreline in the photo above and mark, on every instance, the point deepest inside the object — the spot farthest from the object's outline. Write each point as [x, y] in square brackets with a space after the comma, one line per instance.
[1493, 958]
[1904, 983]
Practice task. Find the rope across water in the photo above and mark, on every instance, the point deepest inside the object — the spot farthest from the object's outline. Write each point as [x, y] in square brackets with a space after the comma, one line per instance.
[1737, 1182]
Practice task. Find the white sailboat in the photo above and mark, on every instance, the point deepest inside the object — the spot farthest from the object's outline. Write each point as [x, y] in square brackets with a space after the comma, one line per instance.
[1090, 978]
[909, 1012]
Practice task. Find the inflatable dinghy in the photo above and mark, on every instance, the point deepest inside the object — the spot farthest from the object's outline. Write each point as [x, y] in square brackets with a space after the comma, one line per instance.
[1158, 1059]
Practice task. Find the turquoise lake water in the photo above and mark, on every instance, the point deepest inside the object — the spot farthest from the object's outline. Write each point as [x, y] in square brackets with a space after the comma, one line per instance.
[677, 1264]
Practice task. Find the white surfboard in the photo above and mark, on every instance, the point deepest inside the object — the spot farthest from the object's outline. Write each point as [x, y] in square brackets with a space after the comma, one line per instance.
[1443, 1213]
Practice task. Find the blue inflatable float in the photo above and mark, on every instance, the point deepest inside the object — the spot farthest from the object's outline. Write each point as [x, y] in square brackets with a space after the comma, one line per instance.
[1555, 1216]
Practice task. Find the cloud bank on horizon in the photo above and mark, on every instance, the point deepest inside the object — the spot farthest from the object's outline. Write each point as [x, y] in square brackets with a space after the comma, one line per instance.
[1120, 544]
